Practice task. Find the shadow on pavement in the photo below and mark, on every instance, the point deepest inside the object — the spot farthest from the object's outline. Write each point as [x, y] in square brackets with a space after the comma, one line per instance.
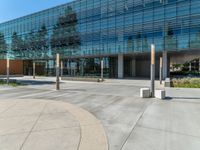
[168, 98]
[186, 98]
[34, 82]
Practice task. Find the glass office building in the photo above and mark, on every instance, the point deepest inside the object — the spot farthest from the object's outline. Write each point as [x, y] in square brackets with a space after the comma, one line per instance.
[118, 31]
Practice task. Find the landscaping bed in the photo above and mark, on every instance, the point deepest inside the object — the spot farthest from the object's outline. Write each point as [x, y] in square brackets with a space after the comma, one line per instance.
[11, 82]
[186, 82]
[88, 79]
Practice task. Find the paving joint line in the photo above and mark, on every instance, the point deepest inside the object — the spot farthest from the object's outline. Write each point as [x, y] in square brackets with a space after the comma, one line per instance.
[8, 109]
[79, 143]
[169, 131]
[16, 133]
[143, 111]
[60, 95]
[27, 115]
[29, 133]
[45, 130]
[97, 109]
[15, 93]
[34, 94]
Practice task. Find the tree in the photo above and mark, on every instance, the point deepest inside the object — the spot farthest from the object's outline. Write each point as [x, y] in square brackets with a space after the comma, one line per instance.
[41, 38]
[31, 44]
[39, 41]
[36, 43]
[130, 43]
[145, 43]
[64, 34]
[195, 43]
[170, 42]
[138, 42]
[17, 45]
[3, 45]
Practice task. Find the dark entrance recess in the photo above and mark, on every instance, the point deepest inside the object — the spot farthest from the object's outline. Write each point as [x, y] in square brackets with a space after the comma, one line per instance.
[113, 67]
[40, 68]
[28, 67]
[127, 67]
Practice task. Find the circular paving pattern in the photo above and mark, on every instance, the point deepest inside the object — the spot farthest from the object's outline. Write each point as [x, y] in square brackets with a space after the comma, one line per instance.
[48, 125]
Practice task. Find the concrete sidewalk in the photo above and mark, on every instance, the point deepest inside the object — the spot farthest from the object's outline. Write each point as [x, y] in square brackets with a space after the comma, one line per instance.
[48, 125]
[130, 122]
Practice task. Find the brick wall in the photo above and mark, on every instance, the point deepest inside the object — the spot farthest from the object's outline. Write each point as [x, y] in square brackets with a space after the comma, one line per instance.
[16, 67]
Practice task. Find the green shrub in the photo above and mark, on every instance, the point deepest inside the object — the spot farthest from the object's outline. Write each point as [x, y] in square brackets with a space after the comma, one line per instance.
[14, 84]
[186, 82]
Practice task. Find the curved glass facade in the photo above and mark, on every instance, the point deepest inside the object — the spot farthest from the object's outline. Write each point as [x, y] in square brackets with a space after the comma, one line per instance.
[103, 27]
[94, 28]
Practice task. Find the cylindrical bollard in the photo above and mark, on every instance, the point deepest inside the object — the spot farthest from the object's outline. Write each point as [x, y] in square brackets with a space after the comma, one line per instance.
[61, 69]
[33, 70]
[8, 70]
[152, 70]
[161, 64]
[57, 72]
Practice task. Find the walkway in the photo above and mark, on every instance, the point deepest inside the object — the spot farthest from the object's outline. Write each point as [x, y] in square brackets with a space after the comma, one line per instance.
[48, 125]
[130, 122]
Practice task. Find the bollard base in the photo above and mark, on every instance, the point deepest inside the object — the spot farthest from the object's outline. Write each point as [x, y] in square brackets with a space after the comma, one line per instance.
[160, 94]
[145, 93]
[167, 82]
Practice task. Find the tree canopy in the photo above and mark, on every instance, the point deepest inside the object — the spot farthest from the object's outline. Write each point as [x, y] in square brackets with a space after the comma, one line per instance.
[3, 45]
[65, 34]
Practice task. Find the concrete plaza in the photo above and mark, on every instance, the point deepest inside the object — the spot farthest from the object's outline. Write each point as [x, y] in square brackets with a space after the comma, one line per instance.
[129, 122]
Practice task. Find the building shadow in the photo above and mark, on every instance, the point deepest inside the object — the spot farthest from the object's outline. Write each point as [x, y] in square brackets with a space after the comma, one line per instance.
[196, 98]
[182, 98]
[34, 82]
[168, 98]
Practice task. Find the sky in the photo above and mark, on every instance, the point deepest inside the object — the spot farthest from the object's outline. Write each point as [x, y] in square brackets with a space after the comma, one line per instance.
[11, 9]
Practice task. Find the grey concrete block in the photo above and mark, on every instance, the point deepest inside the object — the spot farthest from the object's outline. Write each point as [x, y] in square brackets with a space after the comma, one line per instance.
[160, 94]
[167, 82]
[145, 92]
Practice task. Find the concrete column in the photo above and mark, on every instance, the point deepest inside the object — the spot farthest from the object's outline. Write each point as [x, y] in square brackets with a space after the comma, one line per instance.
[57, 71]
[165, 65]
[190, 66]
[133, 67]
[102, 67]
[199, 64]
[61, 69]
[120, 66]
[68, 68]
[82, 67]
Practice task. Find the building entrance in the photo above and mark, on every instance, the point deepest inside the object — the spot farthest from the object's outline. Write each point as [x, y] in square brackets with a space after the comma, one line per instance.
[40, 68]
[129, 67]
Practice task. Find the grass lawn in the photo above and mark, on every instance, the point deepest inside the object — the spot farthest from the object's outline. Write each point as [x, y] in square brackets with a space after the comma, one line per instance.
[14, 84]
